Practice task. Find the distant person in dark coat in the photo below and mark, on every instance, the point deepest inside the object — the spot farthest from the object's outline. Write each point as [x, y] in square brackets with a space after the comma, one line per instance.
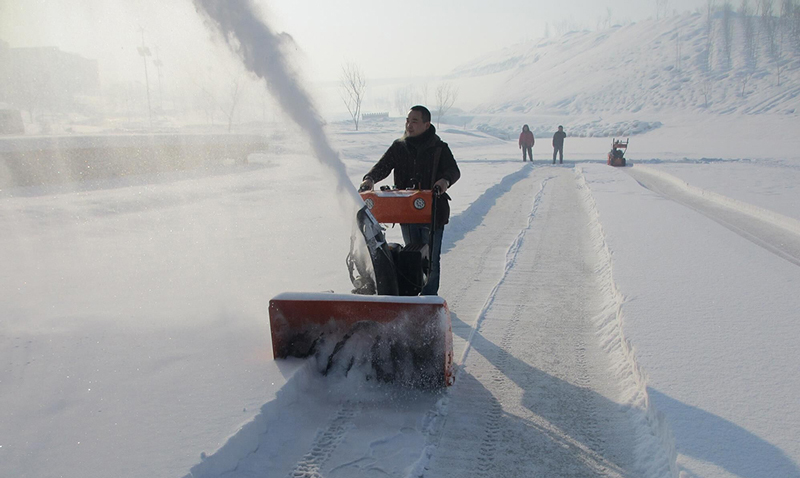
[526, 141]
[558, 145]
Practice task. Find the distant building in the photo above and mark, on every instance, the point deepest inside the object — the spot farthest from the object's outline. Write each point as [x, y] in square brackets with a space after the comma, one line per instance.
[10, 120]
[45, 78]
[372, 116]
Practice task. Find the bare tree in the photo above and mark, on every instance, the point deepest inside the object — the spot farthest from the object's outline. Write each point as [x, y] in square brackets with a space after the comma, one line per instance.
[727, 35]
[787, 9]
[773, 30]
[662, 7]
[423, 90]
[567, 25]
[604, 21]
[768, 27]
[792, 23]
[750, 45]
[354, 86]
[403, 98]
[446, 95]
[794, 30]
[784, 25]
[707, 88]
[745, 77]
[749, 36]
[236, 92]
[207, 103]
[710, 7]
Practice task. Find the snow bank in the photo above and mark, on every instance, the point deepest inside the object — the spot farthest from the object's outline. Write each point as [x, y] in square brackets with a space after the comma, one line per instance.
[655, 444]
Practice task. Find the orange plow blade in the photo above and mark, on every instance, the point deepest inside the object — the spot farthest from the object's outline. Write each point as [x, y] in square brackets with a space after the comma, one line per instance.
[389, 338]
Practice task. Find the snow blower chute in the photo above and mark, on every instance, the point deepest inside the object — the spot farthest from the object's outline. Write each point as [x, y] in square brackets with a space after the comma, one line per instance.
[384, 327]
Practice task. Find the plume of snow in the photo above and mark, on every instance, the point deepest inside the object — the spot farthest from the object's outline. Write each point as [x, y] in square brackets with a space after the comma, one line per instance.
[248, 36]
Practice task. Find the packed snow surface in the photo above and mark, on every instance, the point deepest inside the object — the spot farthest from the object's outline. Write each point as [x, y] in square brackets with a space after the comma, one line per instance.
[616, 322]
[606, 321]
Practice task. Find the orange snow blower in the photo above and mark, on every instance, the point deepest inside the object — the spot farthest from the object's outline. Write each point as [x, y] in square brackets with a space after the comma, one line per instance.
[616, 157]
[384, 328]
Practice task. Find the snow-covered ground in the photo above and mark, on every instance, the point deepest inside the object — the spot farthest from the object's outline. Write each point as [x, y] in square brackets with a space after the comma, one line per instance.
[135, 333]
[636, 322]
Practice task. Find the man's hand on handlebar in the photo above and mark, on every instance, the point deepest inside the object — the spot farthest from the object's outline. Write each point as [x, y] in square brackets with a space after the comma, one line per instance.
[442, 184]
[367, 185]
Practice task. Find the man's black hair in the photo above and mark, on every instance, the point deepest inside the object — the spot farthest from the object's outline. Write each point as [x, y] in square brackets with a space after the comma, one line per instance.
[426, 115]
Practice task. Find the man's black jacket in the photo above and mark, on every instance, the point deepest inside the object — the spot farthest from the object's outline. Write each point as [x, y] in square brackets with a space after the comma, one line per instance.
[412, 161]
[558, 139]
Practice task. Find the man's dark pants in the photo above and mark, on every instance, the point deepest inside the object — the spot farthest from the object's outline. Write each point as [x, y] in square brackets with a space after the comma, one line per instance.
[422, 233]
[560, 151]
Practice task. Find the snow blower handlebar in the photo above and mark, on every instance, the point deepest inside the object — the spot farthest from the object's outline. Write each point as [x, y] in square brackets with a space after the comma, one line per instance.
[437, 193]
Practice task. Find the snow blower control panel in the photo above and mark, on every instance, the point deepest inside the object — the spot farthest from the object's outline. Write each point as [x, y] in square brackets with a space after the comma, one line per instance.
[399, 206]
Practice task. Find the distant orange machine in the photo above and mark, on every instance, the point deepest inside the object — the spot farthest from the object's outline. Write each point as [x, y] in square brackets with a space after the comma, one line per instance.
[616, 157]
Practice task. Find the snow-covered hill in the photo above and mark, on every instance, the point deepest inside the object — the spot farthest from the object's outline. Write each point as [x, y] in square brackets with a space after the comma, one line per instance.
[624, 80]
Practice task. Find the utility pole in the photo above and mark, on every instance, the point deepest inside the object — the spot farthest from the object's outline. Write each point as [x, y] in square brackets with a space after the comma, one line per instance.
[145, 52]
[158, 64]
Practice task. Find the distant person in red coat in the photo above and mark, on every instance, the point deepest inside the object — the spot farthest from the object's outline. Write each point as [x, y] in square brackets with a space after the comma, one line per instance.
[526, 143]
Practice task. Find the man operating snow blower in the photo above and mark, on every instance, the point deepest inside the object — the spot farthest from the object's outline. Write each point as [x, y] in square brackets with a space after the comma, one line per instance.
[420, 160]
[393, 327]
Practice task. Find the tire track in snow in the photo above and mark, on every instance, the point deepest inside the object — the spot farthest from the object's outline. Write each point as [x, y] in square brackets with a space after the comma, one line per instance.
[476, 270]
[469, 278]
[296, 435]
[655, 446]
[494, 412]
[325, 444]
[511, 256]
[475, 215]
[328, 454]
[532, 395]
[476, 243]
[528, 400]
[584, 382]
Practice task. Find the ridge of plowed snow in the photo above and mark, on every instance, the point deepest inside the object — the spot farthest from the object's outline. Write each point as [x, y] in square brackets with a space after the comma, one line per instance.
[788, 223]
[655, 444]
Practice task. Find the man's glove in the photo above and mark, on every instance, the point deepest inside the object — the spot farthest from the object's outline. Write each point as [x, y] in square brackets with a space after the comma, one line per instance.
[442, 185]
[367, 185]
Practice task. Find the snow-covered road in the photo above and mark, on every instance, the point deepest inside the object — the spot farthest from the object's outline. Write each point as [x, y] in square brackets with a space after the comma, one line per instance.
[535, 393]
[134, 319]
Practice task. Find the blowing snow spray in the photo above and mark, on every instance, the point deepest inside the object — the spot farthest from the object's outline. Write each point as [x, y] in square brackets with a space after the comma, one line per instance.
[259, 48]
[405, 340]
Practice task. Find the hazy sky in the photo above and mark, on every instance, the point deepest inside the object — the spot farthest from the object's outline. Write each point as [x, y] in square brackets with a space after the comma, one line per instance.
[386, 39]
